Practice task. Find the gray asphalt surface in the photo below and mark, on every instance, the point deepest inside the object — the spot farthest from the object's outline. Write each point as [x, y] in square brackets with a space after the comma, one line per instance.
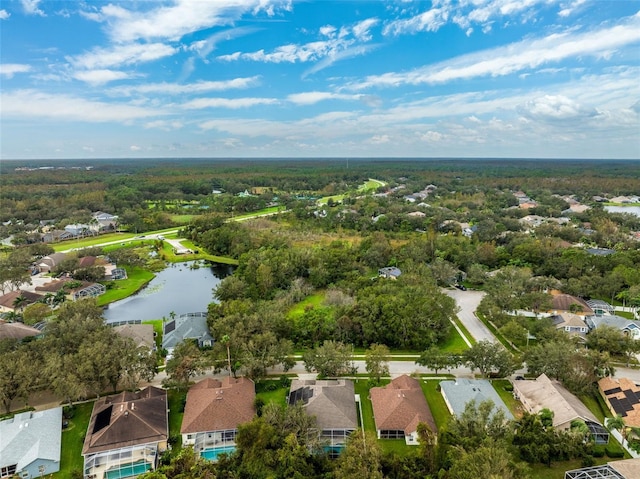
[468, 302]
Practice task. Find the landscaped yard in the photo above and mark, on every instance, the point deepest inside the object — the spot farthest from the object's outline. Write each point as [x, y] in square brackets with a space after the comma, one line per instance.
[501, 386]
[454, 343]
[123, 288]
[176, 400]
[436, 402]
[72, 441]
[272, 391]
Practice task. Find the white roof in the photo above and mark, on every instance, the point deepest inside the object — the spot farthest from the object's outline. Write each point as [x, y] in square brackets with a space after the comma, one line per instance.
[29, 436]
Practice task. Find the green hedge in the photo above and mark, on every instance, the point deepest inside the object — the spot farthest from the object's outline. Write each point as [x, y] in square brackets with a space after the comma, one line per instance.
[614, 451]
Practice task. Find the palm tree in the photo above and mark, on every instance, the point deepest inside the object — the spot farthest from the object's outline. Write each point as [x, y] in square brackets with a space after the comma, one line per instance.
[618, 424]
[19, 303]
[225, 340]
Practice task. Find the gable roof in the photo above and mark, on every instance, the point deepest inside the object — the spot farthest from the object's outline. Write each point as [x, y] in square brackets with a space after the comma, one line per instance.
[127, 419]
[401, 405]
[566, 319]
[7, 300]
[462, 391]
[612, 320]
[29, 436]
[142, 334]
[543, 392]
[17, 331]
[331, 401]
[214, 405]
[185, 326]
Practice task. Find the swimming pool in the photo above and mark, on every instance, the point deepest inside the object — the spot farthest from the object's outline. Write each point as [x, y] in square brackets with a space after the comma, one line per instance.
[131, 469]
[213, 453]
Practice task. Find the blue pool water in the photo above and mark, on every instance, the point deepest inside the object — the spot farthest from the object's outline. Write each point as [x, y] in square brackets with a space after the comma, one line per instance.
[212, 454]
[128, 470]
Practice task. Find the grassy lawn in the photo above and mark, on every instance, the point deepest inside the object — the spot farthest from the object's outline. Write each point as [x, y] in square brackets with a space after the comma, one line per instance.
[454, 343]
[512, 403]
[264, 211]
[176, 401]
[157, 328]
[436, 402]
[314, 300]
[168, 254]
[557, 469]
[182, 219]
[72, 441]
[464, 330]
[278, 395]
[370, 185]
[123, 288]
[91, 241]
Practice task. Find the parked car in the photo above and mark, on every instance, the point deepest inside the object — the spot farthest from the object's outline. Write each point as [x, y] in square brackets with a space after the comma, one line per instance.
[461, 287]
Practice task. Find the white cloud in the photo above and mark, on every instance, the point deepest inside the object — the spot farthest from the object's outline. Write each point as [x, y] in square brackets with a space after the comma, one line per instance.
[89, 149]
[121, 55]
[100, 77]
[182, 17]
[164, 125]
[4, 14]
[36, 104]
[179, 89]
[432, 136]
[329, 60]
[570, 7]
[555, 108]
[429, 21]
[312, 97]
[231, 103]
[135, 148]
[378, 139]
[516, 57]
[30, 7]
[328, 31]
[7, 70]
[362, 29]
[205, 47]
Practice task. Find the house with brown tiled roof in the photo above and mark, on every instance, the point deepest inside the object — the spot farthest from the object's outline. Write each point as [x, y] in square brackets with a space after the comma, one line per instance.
[127, 433]
[8, 301]
[17, 331]
[561, 302]
[622, 396]
[333, 403]
[398, 408]
[213, 411]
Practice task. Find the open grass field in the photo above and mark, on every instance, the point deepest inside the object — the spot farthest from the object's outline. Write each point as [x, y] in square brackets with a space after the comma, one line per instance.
[278, 395]
[72, 441]
[136, 279]
[298, 309]
[454, 343]
[436, 402]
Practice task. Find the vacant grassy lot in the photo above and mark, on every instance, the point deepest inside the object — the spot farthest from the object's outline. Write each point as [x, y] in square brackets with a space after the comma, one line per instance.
[315, 300]
[272, 392]
[72, 441]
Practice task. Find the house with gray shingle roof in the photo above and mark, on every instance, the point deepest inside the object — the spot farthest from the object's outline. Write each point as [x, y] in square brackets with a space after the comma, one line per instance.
[186, 326]
[627, 326]
[333, 403]
[213, 411]
[457, 394]
[398, 408]
[30, 444]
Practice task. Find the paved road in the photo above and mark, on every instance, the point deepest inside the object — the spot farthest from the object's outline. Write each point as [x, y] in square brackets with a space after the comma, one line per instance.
[468, 302]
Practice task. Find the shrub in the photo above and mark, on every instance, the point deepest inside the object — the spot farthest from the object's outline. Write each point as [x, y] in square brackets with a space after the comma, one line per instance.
[598, 451]
[614, 451]
[588, 461]
[258, 404]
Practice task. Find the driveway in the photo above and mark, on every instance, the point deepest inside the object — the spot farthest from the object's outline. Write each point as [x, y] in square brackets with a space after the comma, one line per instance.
[468, 302]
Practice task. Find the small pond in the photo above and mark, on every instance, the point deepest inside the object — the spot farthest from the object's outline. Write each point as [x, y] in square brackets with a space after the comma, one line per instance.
[181, 288]
[634, 210]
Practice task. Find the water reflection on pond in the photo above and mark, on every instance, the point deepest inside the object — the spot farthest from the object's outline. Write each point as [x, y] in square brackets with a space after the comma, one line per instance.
[180, 288]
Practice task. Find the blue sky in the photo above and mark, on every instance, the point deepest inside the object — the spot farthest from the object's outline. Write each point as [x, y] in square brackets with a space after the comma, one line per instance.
[272, 78]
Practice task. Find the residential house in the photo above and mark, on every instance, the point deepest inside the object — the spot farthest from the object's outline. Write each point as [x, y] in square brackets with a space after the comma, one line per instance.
[389, 272]
[8, 301]
[88, 290]
[186, 326]
[127, 433]
[458, 393]
[624, 469]
[333, 403]
[544, 393]
[622, 396]
[17, 331]
[141, 334]
[104, 221]
[399, 407]
[78, 229]
[213, 411]
[54, 235]
[48, 263]
[30, 444]
[416, 214]
[570, 323]
[627, 326]
[562, 303]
